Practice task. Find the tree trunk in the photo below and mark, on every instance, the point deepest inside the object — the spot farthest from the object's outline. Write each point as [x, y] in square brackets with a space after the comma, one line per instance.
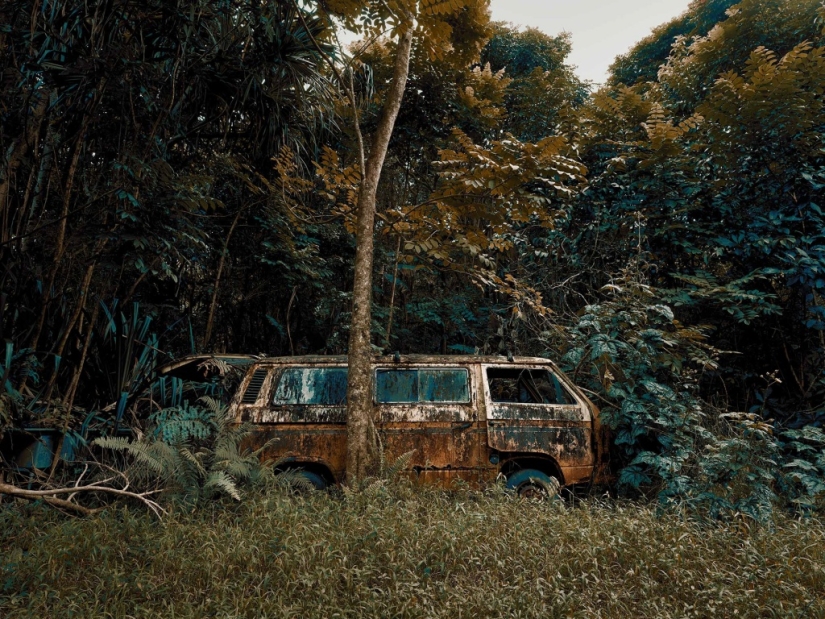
[69, 402]
[14, 157]
[211, 318]
[70, 325]
[41, 191]
[60, 243]
[362, 440]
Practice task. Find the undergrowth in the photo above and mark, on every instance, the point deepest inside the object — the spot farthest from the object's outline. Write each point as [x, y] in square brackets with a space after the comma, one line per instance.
[406, 552]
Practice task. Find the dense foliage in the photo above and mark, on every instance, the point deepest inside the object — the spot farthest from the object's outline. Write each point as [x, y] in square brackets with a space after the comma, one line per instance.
[182, 176]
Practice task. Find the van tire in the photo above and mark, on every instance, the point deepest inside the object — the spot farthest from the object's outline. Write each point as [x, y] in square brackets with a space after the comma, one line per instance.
[530, 483]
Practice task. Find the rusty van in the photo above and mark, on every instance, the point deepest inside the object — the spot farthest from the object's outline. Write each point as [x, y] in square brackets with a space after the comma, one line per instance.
[470, 418]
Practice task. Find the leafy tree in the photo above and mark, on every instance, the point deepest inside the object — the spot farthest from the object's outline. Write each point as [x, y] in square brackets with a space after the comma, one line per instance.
[430, 23]
[642, 62]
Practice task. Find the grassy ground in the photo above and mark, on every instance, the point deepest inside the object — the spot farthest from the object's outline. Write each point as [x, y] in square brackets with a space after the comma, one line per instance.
[409, 554]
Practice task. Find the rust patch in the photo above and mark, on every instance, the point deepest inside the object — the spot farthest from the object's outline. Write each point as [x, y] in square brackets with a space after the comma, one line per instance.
[304, 414]
[418, 413]
[569, 445]
[543, 412]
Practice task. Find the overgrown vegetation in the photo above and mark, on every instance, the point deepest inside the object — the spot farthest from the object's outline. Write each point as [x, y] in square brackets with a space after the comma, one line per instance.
[408, 553]
[181, 177]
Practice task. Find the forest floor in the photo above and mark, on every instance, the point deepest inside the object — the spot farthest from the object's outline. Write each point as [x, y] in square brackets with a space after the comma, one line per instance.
[407, 553]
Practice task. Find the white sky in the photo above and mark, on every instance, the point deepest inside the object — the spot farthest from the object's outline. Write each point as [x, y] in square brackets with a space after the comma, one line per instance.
[601, 29]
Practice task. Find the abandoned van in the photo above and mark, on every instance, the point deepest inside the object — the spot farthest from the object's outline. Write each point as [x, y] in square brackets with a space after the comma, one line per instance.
[471, 418]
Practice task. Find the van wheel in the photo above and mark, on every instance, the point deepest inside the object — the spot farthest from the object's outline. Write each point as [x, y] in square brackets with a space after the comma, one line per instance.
[533, 484]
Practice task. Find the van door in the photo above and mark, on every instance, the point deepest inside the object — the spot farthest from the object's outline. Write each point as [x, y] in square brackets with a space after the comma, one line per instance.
[531, 411]
[430, 410]
[306, 416]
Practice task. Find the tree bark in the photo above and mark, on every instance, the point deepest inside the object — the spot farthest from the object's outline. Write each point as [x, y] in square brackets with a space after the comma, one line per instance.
[362, 439]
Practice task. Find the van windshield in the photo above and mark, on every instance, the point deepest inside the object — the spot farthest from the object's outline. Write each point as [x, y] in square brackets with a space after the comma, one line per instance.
[422, 385]
[322, 386]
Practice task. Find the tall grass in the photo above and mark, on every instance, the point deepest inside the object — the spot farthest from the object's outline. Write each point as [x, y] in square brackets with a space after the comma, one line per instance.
[407, 553]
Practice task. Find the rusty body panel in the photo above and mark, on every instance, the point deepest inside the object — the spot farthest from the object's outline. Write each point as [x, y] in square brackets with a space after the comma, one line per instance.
[441, 407]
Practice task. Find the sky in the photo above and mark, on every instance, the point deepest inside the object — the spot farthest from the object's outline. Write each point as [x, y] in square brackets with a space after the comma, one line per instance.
[601, 29]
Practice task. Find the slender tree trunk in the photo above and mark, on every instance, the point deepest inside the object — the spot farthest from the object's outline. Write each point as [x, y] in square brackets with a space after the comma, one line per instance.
[70, 325]
[14, 157]
[288, 329]
[69, 403]
[15, 226]
[362, 439]
[43, 179]
[210, 319]
[392, 295]
[60, 243]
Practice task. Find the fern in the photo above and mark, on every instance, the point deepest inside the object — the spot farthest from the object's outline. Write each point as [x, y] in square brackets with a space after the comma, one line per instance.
[394, 470]
[193, 453]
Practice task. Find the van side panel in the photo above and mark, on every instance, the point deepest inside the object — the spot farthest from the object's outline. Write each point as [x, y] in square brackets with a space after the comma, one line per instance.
[322, 444]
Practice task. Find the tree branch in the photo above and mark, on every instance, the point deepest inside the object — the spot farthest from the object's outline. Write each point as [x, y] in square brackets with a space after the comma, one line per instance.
[347, 87]
[50, 496]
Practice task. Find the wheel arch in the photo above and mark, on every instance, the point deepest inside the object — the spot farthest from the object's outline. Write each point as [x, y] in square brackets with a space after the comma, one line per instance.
[317, 467]
[512, 463]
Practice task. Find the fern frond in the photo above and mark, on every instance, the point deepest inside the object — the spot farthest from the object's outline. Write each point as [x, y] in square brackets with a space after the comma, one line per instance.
[193, 459]
[293, 479]
[218, 481]
[217, 408]
[374, 488]
[238, 469]
[115, 443]
[396, 468]
[141, 452]
[266, 446]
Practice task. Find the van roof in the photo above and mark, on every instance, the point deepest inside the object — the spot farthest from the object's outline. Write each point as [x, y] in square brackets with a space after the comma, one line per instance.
[407, 359]
[187, 366]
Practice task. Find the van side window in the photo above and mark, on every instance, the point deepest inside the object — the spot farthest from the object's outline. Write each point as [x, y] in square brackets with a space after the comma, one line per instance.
[520, 386]
[321, 386]
[425, 385]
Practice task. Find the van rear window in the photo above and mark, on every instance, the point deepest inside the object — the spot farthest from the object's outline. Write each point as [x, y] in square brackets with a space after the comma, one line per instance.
[322, 386]
[422, 385]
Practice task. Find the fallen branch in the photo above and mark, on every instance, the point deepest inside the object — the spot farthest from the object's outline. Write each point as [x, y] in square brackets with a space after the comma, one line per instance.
[50, 496]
